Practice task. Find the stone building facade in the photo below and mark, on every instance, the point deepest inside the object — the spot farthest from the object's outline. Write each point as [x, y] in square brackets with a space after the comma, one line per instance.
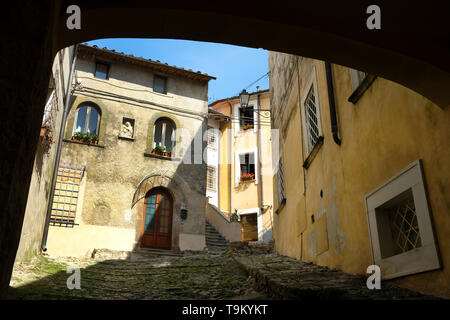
[132, 173]
[363, 173]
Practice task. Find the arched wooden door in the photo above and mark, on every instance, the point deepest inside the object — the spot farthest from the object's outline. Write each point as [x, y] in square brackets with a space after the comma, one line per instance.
[157, 229]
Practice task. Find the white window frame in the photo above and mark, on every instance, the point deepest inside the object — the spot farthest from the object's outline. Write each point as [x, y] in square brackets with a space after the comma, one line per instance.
[417, 260]
[237, 165]
[259, 219]
[214, 187]
[213, 132]
[312, 83]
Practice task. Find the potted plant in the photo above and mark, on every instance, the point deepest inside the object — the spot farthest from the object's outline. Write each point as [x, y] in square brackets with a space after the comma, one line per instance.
[91, 138]
[158, 150]
[78, 136]
[247, 126]
[168, 152]
[44, 128]
[247, 176]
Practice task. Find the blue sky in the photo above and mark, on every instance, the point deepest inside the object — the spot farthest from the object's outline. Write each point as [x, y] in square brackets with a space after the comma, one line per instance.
[234, 67]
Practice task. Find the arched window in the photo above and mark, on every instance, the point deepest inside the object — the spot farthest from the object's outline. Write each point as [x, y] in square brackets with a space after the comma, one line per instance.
[87, 119]
[164, 134]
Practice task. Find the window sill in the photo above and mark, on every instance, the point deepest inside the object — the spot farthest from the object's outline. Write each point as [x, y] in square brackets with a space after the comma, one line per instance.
[313, 153]
[281, 206]
[126, 138]
[363, 86]
[246, 181]
[151, 155]
[84, 143]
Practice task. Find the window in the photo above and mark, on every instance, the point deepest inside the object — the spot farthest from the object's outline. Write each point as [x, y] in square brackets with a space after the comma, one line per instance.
[101, 70]
[312, 119]
[211, 140]
[400, 226]
[280, 176]
[247, 164]
[211, 178]
[246, 118]
[361, 81]
[159, 84]
[87, 119]
[357, 78]
[164, 135]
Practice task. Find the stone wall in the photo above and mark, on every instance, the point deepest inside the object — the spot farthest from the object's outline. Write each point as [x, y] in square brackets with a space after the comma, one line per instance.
[115, 167]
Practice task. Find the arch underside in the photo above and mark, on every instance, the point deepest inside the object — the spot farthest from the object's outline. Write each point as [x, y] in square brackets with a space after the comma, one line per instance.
[413, 54]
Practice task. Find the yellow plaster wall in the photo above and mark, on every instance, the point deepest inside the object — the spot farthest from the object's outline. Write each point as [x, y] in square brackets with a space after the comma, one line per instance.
[387, 129]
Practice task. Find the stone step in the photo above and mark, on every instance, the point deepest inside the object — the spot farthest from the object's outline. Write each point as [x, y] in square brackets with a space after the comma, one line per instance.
[220, 243]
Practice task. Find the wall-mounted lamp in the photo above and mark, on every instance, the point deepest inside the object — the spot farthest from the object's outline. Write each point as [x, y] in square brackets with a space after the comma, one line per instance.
[183, 212]
[244, 98]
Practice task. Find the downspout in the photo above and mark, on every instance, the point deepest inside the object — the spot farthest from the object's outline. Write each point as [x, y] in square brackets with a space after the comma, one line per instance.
[230, 149]
[58, 152]
[331, 102]
[261, 205]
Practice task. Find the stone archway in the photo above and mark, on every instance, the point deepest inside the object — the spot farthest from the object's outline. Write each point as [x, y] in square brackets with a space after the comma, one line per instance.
[403, 50]
[174, 184]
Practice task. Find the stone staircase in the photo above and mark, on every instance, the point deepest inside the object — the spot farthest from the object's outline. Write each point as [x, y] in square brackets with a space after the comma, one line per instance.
[214, 240]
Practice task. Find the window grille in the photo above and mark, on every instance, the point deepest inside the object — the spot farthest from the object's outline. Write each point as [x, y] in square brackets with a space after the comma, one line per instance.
[281, 193]
[211, 178]
[211, 137]
[404, 226]
[50, 109]
[312, 121]
[65, 199]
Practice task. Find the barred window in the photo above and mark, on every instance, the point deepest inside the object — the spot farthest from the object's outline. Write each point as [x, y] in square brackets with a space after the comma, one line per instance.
[211, 140]
[400, 226]
[281, 193]
[211, 178]
[312, 119]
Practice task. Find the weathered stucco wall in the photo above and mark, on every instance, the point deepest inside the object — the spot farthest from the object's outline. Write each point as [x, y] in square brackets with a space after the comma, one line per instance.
[41, 179]
[115, 166]
[389, 128]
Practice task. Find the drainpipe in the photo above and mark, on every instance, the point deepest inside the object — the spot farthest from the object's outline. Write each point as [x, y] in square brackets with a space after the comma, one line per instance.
[230, 149]
[261, 205]
[331, 102]
[58, 152]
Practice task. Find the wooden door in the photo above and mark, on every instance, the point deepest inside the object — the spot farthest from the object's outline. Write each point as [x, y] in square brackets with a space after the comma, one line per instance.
[157, 229]
[249, 224]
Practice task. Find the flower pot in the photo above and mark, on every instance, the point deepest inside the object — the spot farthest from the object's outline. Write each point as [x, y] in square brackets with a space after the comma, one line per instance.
[43, 132]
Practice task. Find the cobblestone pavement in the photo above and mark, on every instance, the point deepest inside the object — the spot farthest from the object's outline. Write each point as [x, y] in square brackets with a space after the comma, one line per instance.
[286, 278]
[191, 276]
[243, 272]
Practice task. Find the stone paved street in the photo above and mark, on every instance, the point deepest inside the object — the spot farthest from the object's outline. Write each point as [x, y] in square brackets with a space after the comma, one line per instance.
[141, 276]
[194, 275]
